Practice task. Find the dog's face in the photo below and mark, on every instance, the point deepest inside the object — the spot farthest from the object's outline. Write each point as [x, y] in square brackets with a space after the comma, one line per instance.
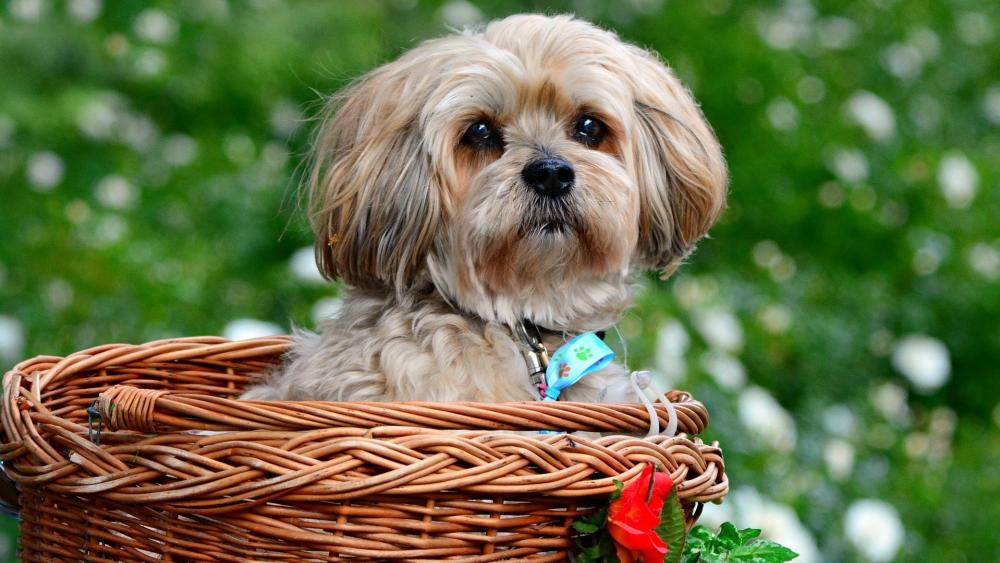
[525, 171]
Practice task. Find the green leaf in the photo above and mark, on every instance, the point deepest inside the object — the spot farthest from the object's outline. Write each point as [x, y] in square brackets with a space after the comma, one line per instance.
[748, 534]
[618, 491]
[699, 541]
[700, 535]
[732, 545]
[585, 527]
[597, 518]
[671, 529]
[763, 551]
[729, 537]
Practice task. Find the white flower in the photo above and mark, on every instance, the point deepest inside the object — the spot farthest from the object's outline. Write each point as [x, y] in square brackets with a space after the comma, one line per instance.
[784, 28]
[155, 26]
[839, 457]
[726, 370]
[782, 114]
[918, 445]
[849, 165]
[943, 423]
[115, 192]
[923, 360]
[302, 264]
[985, 260]
[26, 10]
[958, 180]
[775, 318]
[179, 150]
[274, 154]
[783, 270]
[461, 14]
[97, 118]
[873, 114]
[925, 41]
[720, 329]
[285, 118]
[765, 418]
[326, 308]
[975, 28]
[927, 259]
[692, 292]
[766, 253]
[777, 522]
[108, 230]
[84, 11]
[45, 171]
[889, 399]
[11, 338]
[874, 529]
[903, 60]
[58, 294]
[836, 32]
[839, 420]
[150, 62]
[672, 343]
[243, 329]
[138, 132]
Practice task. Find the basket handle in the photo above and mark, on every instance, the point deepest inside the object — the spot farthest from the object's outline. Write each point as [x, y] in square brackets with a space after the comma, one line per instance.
[123, 407]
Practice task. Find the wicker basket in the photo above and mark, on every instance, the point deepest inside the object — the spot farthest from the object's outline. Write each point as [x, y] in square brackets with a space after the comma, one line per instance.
[141, 453]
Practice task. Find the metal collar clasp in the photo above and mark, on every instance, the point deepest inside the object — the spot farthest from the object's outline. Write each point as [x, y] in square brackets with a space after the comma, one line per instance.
[536, 356]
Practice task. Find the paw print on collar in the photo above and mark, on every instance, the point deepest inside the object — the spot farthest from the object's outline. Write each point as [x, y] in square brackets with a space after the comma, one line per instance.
[583, 353]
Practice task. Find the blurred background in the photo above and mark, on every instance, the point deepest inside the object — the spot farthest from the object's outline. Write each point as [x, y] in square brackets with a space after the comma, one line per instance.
[842, 323]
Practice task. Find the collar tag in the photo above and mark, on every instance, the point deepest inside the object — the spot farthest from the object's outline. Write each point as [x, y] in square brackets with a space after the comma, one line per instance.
[579, 357]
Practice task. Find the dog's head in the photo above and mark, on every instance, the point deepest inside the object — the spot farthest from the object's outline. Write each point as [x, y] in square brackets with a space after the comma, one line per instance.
[525, 170]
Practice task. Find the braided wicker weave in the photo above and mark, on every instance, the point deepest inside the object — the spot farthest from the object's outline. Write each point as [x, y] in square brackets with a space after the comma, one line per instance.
[141, 453]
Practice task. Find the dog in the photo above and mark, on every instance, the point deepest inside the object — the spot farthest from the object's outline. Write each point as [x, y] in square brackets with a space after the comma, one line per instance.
[487, 196]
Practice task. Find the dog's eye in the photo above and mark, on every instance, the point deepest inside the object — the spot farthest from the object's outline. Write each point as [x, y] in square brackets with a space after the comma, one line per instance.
[589, 130]
[482, 135]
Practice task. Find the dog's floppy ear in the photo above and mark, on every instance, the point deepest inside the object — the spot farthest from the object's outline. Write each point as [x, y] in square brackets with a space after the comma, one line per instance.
[373, 204]
[679, 166]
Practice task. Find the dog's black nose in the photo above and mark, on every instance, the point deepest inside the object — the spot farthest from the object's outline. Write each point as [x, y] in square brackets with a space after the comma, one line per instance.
[550, 177]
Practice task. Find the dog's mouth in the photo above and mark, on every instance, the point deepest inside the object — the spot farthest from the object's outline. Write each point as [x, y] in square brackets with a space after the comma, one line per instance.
[549, 220]
[547, 228]
[554, 228]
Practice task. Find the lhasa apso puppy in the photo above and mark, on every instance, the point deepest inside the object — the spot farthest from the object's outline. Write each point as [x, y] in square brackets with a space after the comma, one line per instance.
[489, 195]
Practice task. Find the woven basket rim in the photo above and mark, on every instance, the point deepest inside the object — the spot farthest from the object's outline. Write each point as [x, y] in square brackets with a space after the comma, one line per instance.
[172, 438]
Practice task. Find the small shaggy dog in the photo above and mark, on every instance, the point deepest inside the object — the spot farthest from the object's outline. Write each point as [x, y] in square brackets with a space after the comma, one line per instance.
[489, 195]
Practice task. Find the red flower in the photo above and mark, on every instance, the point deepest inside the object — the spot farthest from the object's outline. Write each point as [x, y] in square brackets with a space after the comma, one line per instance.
[634, 516]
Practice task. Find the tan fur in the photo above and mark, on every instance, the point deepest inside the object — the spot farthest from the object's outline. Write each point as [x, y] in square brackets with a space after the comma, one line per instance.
[441, 245]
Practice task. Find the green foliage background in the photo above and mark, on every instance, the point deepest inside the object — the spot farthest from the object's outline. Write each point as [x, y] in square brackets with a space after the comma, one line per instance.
[148, 149]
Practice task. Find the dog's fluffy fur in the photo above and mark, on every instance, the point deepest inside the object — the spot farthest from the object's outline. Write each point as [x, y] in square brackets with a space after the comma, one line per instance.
[443, 246]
